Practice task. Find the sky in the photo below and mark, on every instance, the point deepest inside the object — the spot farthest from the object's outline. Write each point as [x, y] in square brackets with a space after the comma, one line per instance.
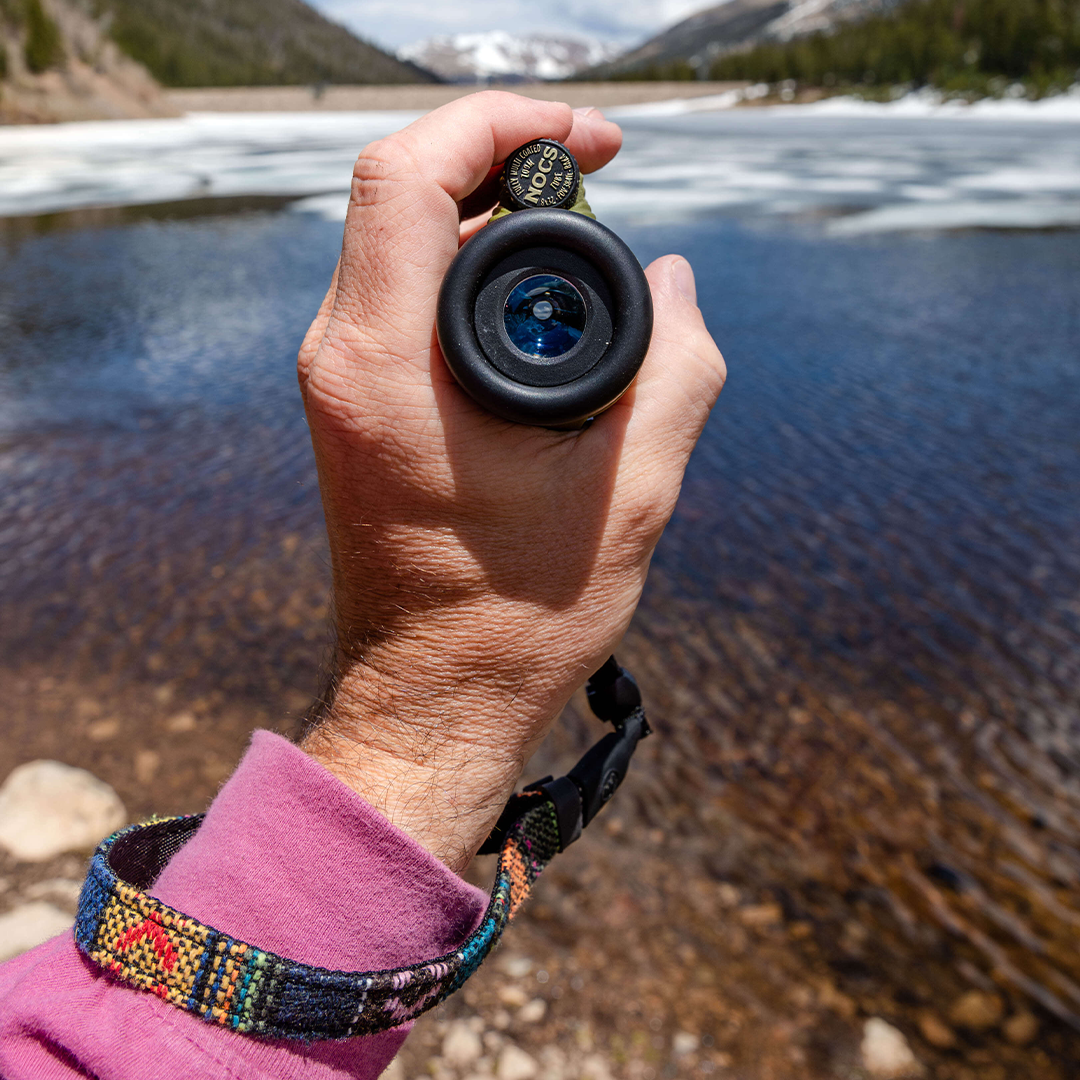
[393, 23]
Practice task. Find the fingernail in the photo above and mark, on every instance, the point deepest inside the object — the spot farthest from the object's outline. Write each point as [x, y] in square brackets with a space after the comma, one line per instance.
[589, 111]
[684, 280]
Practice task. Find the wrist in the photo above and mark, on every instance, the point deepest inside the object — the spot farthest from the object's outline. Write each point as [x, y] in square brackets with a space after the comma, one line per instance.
[436, 752]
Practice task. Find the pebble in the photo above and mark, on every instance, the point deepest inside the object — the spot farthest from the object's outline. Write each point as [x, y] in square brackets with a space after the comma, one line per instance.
[515, 1064]
[517, 967]
[977, 1010]
[147, 763]
[553, 1063]
[1021, 1028]
[885, 1051]
[47, 807]
[683, 1042]
[595, 1067]
[936, 1032]
[101, 730]
[759, 915]
[533, 1011]
[462, 1045]
[63, 890]
[513, 996]
[30, 925]
[727, 894]
[184, 722]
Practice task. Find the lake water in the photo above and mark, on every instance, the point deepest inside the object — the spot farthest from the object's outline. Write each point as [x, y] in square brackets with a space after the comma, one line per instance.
[861, 637]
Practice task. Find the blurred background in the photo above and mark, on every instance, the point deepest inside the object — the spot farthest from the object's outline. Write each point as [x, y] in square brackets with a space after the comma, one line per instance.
[853, 848]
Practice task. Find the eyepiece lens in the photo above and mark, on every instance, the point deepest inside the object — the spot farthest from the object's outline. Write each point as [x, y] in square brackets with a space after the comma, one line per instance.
[544, 316]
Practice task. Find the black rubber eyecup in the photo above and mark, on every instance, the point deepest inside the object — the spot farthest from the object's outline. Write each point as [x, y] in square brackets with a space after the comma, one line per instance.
[545, 391]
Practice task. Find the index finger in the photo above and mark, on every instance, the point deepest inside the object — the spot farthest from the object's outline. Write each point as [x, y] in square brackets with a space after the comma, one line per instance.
[401, 231]
[593, 141]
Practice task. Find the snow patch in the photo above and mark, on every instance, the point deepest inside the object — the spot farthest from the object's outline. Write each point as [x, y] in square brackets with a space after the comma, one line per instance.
[496, 54]
[858, 167]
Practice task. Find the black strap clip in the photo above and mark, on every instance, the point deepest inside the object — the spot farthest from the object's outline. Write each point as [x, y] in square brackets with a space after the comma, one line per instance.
[578, 797]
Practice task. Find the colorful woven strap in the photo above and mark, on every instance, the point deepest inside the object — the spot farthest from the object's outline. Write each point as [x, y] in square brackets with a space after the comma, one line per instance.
[146, 943]
[226, 981]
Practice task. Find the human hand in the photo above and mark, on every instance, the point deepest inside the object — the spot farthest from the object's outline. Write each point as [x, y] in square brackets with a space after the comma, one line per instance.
[482, 570]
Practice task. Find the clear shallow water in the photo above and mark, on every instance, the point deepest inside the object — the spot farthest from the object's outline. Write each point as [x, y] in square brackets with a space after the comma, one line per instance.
[862, 633]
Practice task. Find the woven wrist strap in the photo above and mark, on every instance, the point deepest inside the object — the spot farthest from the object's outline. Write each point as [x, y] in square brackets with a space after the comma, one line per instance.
[147, 944]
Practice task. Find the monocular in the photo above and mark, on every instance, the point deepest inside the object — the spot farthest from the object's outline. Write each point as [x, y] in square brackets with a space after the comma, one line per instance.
[545, 315]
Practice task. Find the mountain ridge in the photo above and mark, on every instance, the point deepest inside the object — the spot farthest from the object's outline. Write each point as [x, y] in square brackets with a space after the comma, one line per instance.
[687, 48]
[496, 55]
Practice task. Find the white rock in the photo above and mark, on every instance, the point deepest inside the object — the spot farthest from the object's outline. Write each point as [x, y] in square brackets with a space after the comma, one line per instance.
[517, 967]
[47, 808]
[30, 925]
[885, 1051]
[513, 996]
[64, 891]
[515, 1064]
[683, 1042]
[595, 1067]
[532, 1012]
[394, 1071]
[462, 1045]
[552, 1063]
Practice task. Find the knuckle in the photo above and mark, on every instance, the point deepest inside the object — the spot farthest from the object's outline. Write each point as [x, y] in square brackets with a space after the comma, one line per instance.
[383, 159]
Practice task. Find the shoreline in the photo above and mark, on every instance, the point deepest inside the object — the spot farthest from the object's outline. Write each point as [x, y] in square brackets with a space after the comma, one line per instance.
[423, 97]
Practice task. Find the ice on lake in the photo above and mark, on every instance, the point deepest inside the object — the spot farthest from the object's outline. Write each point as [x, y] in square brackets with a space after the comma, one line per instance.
[859, 167]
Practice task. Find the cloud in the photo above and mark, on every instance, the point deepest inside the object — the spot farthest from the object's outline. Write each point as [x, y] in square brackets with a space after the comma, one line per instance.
[394, 23]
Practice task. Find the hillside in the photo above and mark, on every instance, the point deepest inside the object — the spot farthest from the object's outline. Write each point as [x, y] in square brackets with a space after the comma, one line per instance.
[56, 63]
[246, 43]
[687, 49]
[961, 46]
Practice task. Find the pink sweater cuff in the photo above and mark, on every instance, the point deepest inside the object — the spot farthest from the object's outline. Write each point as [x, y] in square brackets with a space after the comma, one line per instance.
[293, 861]
[288, 859]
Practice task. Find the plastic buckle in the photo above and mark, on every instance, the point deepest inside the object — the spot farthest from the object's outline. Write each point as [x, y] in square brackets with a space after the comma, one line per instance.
[579, 796]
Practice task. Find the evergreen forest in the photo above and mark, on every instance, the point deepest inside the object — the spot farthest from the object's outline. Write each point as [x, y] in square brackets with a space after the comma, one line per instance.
[970, 47]
[246, 43]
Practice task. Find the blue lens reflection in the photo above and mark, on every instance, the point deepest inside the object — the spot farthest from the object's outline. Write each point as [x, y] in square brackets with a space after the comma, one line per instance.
[544, 316]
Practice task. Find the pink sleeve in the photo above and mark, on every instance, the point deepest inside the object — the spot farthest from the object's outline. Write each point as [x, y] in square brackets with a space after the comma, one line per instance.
[289, 859]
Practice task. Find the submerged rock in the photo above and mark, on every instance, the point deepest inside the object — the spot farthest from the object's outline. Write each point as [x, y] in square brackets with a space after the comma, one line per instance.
[936, 1032]
[47, 808]
[1021, 1028]
[977, 1011]
[885, 1052]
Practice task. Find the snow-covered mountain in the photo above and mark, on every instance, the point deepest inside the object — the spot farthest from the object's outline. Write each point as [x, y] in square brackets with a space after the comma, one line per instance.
[738, 24]
[496, 56]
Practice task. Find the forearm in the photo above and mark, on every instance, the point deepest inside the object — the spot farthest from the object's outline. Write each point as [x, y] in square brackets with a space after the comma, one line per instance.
[287, 859]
